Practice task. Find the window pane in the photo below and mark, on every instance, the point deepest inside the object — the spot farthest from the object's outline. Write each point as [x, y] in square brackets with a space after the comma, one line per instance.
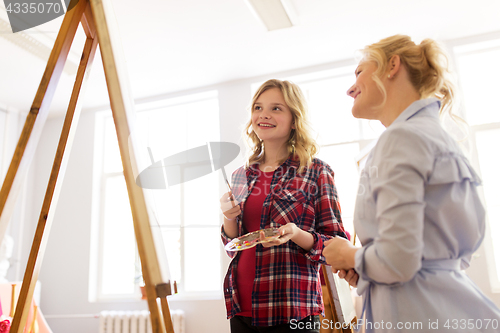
[167, 205]
[163, 130]
[172, 242]
[202, 259]
[118, 261]
[342, 160]
[480, 84]
[206, 126]
[487, 149]
[112, 159]
[330, 109]
[202, 200]
[174, 129]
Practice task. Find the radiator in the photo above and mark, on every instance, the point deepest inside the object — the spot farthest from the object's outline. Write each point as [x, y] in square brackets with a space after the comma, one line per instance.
[135, 321]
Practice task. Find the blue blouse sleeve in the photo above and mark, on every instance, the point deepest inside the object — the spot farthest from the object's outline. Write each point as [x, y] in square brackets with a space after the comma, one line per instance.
[403, 162]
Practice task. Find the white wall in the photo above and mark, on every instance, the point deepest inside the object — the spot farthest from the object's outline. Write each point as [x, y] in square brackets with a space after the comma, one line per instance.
[65, 268]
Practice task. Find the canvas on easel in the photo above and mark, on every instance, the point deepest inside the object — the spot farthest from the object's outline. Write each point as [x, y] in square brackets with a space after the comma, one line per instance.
[343, 310]
[98, 23]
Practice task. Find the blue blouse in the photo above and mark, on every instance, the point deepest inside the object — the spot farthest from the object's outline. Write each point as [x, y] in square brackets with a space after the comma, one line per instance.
[419, 218]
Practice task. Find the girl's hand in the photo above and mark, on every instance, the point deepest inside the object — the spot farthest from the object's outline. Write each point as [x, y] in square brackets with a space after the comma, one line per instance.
[339, 253]
[350, 276]
[229, 206]
[286, 232]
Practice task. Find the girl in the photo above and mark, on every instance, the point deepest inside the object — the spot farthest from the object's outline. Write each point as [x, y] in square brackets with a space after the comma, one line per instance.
[418, 214]
[275, 287]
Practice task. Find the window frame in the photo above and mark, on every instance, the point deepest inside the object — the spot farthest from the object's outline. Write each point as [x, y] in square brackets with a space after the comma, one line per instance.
[99, 181]
[467, 47]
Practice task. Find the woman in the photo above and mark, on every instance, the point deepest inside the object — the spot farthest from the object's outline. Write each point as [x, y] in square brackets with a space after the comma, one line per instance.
[418, 214]
[275, 287]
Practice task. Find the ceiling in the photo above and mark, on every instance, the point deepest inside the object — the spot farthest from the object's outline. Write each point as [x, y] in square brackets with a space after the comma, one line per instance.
[173, 45]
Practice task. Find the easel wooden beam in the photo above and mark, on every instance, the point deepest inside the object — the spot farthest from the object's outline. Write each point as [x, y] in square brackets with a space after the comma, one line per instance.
[122, 108]
[88, 23]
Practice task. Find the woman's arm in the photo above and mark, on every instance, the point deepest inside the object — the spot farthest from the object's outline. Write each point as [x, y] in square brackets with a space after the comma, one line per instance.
[290, 231]
[340, 254]
[404, 161]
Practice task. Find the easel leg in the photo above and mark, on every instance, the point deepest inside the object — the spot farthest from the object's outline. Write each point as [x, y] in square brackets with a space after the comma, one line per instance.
[151, 296]
[162, 291]
[166, 315]
[123, 115]
[52, 193]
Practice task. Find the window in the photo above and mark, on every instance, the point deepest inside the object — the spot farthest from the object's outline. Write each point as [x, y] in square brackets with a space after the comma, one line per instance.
[480, 85]
[171, 127]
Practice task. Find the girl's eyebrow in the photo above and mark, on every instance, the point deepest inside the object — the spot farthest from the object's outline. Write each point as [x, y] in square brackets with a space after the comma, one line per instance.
[271, 104]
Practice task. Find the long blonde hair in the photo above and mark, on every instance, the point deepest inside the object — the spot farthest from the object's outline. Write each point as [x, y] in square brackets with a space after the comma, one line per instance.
[300, 141]
[427, 65]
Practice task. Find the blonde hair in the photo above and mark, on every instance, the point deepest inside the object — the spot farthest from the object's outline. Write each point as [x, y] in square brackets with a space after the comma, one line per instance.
[300, 137]
[427, 66]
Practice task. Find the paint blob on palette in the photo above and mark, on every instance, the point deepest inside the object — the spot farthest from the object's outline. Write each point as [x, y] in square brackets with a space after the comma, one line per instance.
[252, 239]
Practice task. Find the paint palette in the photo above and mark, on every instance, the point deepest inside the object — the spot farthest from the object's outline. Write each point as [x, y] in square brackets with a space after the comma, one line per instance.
[251, 239]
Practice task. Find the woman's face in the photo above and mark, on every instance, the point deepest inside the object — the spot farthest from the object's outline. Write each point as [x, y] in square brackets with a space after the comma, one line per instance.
[367, 96]
[272, 120]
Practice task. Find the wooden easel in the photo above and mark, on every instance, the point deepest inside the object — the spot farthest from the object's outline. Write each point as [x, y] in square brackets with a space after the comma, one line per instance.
[96, 19]
[336, 305]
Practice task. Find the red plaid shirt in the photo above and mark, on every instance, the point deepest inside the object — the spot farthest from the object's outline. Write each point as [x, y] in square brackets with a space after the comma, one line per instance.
[287, 277]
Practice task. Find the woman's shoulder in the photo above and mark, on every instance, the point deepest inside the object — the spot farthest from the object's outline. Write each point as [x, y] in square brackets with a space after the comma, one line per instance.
[406, 136]
[403, 146]
[430, 150]
[423, 133]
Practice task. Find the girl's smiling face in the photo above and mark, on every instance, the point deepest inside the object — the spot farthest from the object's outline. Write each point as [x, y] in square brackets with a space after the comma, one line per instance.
[272, 119]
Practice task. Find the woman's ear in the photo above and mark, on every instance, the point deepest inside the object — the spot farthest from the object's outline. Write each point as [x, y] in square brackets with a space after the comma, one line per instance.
[394, 65]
